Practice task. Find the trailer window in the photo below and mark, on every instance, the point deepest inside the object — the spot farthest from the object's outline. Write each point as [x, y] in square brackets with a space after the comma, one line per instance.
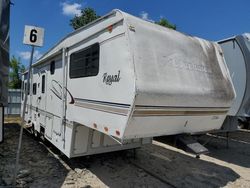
[85, 63]
[43, 83]
[34, 89]
[52, 67]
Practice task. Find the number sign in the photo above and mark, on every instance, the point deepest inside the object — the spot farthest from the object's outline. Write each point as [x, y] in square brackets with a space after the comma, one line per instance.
[33, 35]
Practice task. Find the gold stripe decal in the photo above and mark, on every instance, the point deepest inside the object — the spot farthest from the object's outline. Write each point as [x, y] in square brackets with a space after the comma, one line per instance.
[103, 107]
[168, 111]
[144, 111]
[177, 113]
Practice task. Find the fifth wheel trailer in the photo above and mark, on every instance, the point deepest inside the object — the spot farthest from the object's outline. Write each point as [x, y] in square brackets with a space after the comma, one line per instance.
[4, 59]
[237, 55]
[119, 81]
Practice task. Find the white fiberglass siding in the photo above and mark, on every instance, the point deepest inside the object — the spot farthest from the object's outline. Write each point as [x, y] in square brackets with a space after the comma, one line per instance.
[236, 65]
[173, 69]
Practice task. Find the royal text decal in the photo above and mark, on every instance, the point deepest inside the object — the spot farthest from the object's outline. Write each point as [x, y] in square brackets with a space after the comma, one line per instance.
[109, 79]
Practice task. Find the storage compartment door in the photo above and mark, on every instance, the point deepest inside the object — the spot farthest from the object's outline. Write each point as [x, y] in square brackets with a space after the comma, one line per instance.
[81, 140]
[48, 127]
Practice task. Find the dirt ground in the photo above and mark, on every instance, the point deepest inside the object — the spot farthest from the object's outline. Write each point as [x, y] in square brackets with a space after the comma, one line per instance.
[156, 165]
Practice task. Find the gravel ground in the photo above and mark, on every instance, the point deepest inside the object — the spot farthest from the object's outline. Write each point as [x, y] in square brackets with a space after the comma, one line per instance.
[156, 165]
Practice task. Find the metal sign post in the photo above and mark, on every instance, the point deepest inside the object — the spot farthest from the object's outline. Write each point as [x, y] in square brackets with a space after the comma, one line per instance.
[32, 36]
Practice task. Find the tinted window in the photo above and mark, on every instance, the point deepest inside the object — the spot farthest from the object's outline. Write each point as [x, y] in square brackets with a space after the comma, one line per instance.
[34, 89]
[85, 62]
[52, 67]
[43, 83]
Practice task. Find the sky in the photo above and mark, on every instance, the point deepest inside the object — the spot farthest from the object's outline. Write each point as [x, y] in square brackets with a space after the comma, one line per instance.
[211, 19]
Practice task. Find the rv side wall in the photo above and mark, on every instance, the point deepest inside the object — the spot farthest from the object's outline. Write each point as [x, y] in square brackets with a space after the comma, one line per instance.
[103, 101]
[97, 99]
[182, 82]
[244, 43]
[237, 68]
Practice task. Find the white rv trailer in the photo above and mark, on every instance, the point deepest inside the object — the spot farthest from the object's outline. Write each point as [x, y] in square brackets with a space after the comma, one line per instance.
[119, 81]
[237, 55]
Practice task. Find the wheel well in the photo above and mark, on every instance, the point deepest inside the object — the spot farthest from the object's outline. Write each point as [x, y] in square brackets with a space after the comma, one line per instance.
[42, 130]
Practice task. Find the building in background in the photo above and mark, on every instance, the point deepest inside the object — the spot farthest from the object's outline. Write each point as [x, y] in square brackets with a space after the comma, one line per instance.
[4, 58]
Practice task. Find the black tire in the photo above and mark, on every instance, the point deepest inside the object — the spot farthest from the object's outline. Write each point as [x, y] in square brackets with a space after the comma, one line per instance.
[36, 135]
[32, 130]
[241, 125]
[42, 137]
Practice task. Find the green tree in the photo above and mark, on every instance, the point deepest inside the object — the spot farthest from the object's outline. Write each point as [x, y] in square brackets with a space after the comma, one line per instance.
[87, 15]
[16, 68]
[165, 23]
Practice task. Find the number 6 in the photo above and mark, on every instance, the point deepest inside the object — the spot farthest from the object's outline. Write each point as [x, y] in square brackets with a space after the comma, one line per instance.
[33, 36]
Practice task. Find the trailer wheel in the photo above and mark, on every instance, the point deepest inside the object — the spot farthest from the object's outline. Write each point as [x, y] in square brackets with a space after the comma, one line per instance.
[244, 124]
[241, 125]
[36, 135]
[32, 129]
[247, 125]
[42, 137]
[34, 132]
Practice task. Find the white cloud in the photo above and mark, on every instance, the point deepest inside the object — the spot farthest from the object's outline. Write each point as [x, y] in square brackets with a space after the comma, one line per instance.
[37, 54]
[145, 16]
[71, 9]
[26, 55]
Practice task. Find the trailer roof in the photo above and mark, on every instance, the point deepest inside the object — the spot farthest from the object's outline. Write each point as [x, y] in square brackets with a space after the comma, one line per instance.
[56, 49]
[111, 18]
[233, 37]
